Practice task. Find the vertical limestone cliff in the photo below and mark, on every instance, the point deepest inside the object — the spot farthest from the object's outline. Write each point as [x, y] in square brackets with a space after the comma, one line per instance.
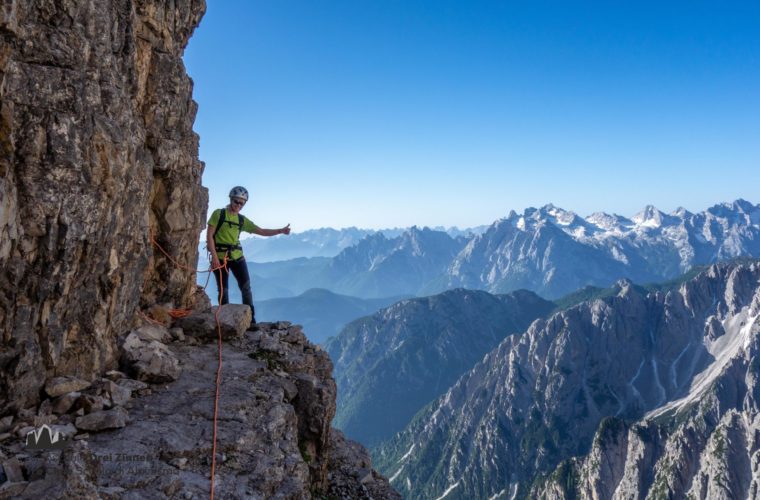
[97, 153]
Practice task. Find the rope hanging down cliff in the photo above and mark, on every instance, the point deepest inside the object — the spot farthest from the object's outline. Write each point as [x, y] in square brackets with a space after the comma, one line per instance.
[183, 312]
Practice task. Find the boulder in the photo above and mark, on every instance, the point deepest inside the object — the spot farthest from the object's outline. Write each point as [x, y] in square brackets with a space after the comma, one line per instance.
[46, 408]
[177, 334]
[115, 375]
[62, 404]
[12, 490]
[6, 423]
[66, 431]
[132, 384]
[13, 471]
[201, 302]
[149, 333]
[59, 386]
[119, 394]
[89, 403]
[102, 420]
[151, 361]
[234, 320]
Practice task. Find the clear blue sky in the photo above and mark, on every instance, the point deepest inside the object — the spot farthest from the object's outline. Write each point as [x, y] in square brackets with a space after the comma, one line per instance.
[400, 112]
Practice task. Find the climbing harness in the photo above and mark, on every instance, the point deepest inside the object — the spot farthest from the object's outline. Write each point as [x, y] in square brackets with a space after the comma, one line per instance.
[226, 248]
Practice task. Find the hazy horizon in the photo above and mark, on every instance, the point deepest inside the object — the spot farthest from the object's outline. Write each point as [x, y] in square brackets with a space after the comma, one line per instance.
[520, 211]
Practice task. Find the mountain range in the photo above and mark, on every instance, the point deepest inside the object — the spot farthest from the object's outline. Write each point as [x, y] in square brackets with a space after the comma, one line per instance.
[391, 364]
[640, 393]
[324, 242]
[548, 250]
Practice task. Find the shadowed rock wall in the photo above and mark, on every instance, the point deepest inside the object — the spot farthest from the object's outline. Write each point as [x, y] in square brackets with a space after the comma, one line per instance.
[96, 153]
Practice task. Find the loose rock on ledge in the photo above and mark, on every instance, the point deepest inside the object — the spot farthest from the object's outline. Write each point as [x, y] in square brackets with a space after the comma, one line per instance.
[102, 420]
[59, 386]
[234, 320]
[151, 361]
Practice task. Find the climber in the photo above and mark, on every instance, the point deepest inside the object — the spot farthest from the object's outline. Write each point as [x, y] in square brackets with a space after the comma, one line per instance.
[223, 239]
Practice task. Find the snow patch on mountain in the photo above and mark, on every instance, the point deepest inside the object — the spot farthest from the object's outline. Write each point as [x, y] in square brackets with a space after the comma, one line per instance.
[449, 490]
[737, 336]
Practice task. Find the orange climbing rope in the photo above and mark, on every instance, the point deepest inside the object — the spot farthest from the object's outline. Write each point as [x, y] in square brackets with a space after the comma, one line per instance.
[149, 319]
[218, 375]
[180, 313]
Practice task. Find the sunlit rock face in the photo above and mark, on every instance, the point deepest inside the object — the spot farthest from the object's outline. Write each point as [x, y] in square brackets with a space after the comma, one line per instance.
[636, 394]
[97, 152]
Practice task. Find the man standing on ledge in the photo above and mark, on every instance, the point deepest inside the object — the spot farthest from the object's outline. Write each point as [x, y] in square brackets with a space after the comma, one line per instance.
[223, 239]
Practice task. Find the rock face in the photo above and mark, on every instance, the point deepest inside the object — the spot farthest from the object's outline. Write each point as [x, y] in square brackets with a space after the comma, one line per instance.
[656, 394]
[274, 438]
[97, 153]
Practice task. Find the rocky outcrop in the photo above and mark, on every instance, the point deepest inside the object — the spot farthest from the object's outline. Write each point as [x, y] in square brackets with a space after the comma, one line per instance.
[274, 438]
[97, 153]
[656, 393]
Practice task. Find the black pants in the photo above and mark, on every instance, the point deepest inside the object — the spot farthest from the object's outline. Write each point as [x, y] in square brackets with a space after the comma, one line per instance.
[240, 271]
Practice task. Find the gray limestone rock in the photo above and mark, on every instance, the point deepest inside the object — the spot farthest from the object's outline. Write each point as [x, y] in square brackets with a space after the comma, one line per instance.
[5, 423]
[12, 469]
[119, 394]
[59, 386]
[234, 320]
[351, 473]
[177, 334]
[132, 385]
[12, 490]
[98, 159]
[149, 333]
[62, 404]
[102, 420]
[151, 361]
[99, 176]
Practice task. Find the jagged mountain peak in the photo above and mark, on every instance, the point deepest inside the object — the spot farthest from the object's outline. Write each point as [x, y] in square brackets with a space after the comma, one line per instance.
[623, 286]
[559, 215]
[551, 212]
[730, 210]
[650, 216]
[608, 222]
[535, 218]
[682, 213]
[739, 205]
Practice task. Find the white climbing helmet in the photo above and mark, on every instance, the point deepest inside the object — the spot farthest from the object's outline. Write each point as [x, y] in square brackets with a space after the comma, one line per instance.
[239, 192]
